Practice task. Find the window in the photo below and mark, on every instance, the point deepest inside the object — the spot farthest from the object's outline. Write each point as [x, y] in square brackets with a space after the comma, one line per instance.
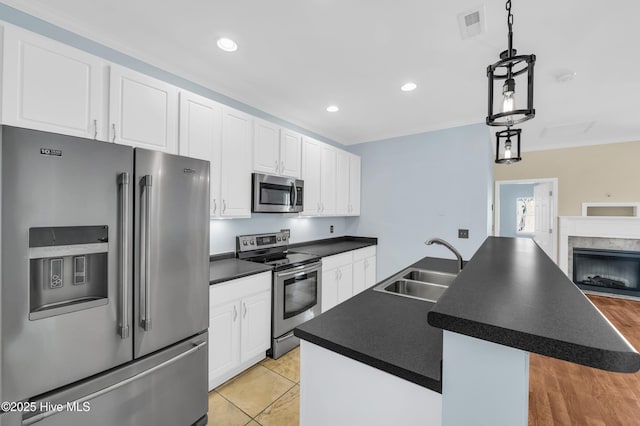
[525, 215]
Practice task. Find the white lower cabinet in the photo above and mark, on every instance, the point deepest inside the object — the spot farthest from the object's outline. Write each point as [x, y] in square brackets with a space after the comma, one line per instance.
[347, 274]
[239, 325]
[364, 269]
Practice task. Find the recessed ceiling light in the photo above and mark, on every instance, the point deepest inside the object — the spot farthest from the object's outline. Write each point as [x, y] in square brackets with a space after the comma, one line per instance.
[408, 87]
[227, 44]
[333, 108]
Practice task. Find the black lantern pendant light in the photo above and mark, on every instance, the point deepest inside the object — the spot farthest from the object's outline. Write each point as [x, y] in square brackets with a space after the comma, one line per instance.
[510, 75]
[508, 146]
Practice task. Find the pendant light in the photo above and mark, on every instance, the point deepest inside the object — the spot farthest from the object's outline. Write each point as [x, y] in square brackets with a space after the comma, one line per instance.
[513, 76]
[508, 146]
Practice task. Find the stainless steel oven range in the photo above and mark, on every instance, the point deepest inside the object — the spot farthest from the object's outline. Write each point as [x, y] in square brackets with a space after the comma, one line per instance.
[297, 285]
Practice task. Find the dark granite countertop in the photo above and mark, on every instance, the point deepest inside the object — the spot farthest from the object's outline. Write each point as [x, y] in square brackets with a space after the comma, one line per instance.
[385, 331]
[226, 267]
[513, 294]
[332, 246]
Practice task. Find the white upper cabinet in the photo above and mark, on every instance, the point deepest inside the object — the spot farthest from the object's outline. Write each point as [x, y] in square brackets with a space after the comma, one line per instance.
[201, 137]
[276, 151]
[354, 185]
[311, 172]
[328, 163]
[342, 183]
[266, 147]
[290, 153]
[52, 87]
[235, 190]
[143, 111]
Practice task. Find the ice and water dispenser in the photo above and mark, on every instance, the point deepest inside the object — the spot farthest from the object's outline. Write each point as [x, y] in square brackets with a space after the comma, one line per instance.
[68, 269]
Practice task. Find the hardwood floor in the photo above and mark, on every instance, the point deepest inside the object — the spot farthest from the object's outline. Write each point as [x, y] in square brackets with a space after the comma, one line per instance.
[562, 393]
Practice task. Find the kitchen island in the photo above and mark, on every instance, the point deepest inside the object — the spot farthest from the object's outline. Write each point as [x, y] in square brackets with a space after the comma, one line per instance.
[510, 300]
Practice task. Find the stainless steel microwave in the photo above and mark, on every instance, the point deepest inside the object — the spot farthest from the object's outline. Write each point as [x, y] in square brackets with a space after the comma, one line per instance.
[276, 194]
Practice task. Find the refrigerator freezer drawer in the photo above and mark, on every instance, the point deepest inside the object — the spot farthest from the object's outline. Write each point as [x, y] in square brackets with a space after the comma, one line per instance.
[167, 388]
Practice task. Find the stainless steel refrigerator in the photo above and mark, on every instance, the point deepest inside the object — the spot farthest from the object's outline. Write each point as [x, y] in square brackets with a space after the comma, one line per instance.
[104, 292]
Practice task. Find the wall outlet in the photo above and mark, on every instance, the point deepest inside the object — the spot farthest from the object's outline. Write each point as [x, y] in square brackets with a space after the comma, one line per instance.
[463, 233]
[331, 229]
[286, 231]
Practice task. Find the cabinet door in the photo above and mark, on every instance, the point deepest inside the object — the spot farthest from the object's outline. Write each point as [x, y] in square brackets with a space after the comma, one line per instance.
[354, 185]
[311, 151]
[52, 87]
[329, 289]
[266, 147]
[290, 153]
[328, 180]
[256, 325]
[345, 282]
[236, 164]
[224, 338]
[342, 182]
[143, 111]
[359, 276]
[201, 137]
[370, 271]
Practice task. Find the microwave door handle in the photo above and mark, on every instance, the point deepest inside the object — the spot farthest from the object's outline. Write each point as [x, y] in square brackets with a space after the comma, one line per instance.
[124, 254]
[294, 198]
[146, 319]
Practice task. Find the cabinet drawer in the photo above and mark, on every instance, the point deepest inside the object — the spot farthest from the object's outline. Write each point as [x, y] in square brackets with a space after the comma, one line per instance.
[336, 261]
[240, 288]
[364, 253]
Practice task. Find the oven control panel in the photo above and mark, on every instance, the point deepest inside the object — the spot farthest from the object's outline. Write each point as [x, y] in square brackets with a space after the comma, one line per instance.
[261, 241]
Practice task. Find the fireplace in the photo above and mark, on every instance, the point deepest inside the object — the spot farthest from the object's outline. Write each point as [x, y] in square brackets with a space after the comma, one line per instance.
[610, 271]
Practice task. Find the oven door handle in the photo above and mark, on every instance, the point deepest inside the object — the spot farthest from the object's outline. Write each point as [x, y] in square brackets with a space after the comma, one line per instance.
[300, 270]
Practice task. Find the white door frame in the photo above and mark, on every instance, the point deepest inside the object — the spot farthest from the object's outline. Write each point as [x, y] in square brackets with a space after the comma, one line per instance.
[554, 209]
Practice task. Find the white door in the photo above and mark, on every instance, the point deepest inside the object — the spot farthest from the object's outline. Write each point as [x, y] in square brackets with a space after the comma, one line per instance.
[236, 163]
[345, 282]
[143, 111]
[266, 147]
[358, 276]
[370, 271]
[544, 222]
[290, 153]
[256, 325]
[354, 185]
[311, 170]
[201, 137]
[342, 182]
[224, 338]
[328, 162]
[329, 289]
[52, 87]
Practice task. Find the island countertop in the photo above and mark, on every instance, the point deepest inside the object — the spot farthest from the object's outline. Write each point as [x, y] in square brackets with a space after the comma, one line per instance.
[513, 294]
[385, 331]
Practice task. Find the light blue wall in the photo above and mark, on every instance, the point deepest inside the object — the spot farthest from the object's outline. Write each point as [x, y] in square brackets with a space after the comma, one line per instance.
[422, 186]
[508, 195]
[223, 232]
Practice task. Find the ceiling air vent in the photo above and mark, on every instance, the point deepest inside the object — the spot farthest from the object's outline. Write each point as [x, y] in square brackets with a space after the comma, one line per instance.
[471, 22]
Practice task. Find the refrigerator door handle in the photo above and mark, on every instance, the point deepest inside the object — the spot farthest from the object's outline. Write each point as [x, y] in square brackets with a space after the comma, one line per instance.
[123, 180]
[146, 312]
[78, 402]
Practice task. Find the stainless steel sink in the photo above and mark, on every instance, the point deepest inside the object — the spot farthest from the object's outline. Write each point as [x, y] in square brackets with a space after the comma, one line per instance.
[422, 284]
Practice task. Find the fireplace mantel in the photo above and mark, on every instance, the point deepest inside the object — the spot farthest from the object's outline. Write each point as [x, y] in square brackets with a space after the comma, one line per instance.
[594, 226]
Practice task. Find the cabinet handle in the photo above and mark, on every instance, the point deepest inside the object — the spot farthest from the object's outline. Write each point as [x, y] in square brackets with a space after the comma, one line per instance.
[321, 207]
[224, 206]
[95, 129]
[277, 163]
[244, 307]
[282, 167]
[113, 127]
[235, 313]
[215, 206]
[337, 274]
[318, 209]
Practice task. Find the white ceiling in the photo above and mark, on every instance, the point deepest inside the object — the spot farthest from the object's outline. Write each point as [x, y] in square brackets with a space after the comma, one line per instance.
[295, 57]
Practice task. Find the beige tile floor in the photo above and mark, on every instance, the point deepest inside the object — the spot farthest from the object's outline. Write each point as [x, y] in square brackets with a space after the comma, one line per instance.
[267, 394]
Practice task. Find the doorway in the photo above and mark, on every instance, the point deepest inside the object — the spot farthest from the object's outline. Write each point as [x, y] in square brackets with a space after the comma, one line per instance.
[528, 209]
